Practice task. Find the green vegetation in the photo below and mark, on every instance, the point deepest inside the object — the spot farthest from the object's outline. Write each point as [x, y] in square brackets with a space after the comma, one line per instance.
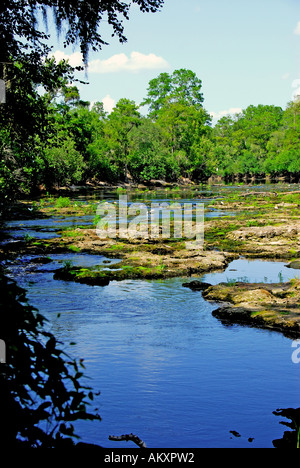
[81, 143]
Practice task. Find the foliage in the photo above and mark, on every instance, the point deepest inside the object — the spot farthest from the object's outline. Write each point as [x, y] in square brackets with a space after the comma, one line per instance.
[30, 119]
[42, 394]
[148, 156]
[79, 20]
[123, 118]
[63, 202]
[182, 86]
[80, 142]
[63, 163]
[244, 143]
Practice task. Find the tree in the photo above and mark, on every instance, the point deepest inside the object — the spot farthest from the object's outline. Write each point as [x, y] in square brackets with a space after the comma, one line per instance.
[25, 121]
[64, 165]
[242, 141]
[148, 155]
[24, 67]
[182, 87]
[80, 20]
[291, 118]
[123, 118]
[258, 122]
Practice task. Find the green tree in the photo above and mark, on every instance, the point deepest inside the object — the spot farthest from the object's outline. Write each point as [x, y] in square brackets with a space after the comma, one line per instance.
[63, 164]
[242, 141]
[182, 127]
[148, 155]
[283, 146]
[123, 118]
[182, 87]
[25, 120]
[258, 123]
[24, 48]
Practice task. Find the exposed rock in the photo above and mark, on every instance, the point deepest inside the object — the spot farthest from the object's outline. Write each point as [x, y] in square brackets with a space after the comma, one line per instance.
[295, 265]
[42, 260]
[268, 241]
[196, 285]
[265, 232]
[273, 306]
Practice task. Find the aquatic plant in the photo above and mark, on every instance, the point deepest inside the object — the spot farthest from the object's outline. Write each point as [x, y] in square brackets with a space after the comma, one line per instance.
[27, 237]
[67, 265]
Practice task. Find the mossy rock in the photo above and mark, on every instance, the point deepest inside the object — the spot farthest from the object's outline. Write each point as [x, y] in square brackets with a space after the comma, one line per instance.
[295, 265]
[78, 275]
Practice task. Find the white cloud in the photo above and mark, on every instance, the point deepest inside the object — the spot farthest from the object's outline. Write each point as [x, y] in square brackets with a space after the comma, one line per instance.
[297, 29]
[296, 88]
[74, 59]
[232, 111]
[108, 103]
[120, 62]
[116, 63]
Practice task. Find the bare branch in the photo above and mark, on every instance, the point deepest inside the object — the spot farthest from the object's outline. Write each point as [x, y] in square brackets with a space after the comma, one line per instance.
[140, 443]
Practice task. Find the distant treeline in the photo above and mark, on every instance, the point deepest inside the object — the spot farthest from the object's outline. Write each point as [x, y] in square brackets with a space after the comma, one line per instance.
[55, 139]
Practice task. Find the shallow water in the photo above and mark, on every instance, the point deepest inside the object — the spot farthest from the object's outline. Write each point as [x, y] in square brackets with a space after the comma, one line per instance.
[167, 370]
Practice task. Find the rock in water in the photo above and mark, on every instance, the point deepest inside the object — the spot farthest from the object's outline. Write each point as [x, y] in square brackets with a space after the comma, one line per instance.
[295, 265]
[196, 285]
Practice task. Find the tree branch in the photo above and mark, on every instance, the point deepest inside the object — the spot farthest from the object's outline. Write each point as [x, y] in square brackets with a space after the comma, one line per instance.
[140, 443]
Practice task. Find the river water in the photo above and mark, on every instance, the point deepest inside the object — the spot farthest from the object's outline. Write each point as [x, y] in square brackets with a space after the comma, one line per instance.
[168, 370]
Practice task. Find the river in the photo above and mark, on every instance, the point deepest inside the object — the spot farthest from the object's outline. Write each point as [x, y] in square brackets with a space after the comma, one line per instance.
[167, 370]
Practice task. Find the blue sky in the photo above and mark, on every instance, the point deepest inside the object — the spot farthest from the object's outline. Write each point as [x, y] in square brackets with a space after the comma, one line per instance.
[245, 52]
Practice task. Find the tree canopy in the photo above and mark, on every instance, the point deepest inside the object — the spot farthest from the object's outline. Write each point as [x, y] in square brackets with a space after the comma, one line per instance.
[183, 86]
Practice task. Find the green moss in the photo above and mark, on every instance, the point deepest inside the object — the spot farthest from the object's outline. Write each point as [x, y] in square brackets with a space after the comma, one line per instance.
[73, 248]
